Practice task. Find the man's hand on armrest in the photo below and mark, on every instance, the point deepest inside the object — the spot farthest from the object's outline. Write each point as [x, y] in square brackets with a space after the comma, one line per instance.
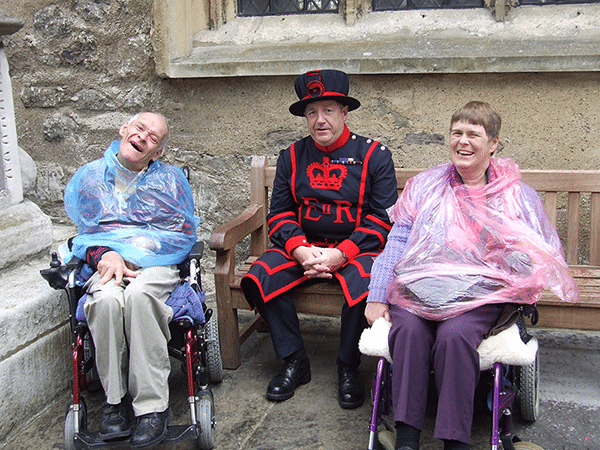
[112, 265]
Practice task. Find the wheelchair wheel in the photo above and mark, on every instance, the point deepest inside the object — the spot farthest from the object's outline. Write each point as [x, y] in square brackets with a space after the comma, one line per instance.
[526, 446]
[205, 414]
[70, 424]
[529, 390]
[213, 356]
[387, 440]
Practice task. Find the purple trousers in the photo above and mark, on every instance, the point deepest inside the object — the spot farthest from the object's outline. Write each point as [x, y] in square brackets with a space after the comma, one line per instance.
[449, 348]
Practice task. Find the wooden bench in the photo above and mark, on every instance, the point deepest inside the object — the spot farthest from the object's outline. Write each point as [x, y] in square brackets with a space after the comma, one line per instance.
[571, 197]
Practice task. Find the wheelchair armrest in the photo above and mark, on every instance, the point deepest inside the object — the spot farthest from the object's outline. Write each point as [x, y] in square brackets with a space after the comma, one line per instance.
[57, 275]
[197, 250]
[196, 254]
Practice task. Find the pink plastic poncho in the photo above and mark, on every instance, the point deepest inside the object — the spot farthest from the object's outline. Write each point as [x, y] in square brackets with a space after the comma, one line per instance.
[472, 246]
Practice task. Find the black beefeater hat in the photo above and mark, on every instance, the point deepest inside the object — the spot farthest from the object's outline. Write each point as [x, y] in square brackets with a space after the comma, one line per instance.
[319, 85]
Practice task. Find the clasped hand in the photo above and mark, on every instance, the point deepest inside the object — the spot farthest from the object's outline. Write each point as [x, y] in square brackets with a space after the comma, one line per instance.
[113, 265]
[319, 262]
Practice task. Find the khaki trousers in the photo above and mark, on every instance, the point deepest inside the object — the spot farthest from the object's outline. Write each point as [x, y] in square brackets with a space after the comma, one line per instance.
[129, 324]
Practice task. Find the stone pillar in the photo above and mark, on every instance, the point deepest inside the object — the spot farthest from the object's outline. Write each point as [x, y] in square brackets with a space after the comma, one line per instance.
[24, 229]
[11, 186]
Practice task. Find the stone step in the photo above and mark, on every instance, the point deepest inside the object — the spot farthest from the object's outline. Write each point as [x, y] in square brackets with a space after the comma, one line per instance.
[35, 363]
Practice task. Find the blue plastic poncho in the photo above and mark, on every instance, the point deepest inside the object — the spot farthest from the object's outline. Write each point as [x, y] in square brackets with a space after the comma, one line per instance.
[469, 246]
[147, 217]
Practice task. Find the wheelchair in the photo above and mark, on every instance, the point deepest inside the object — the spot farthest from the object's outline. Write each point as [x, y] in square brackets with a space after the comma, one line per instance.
[514, 375]
[193, 343]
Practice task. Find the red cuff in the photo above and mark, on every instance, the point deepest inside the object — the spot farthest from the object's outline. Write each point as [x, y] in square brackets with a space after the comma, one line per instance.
[295, 242]
[93, 255]
[349, 248]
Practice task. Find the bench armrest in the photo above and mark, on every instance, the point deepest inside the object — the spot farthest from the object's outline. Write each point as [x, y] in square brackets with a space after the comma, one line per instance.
[226, 236]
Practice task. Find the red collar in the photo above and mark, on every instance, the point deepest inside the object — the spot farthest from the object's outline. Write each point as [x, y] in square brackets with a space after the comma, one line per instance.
[337, 144]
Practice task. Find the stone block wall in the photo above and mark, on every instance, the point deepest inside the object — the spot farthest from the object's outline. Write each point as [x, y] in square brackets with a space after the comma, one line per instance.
[35, 339]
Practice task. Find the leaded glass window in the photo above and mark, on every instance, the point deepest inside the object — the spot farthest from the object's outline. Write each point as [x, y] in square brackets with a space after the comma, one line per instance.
[277, 7]
[392, 5]
[273, 7]
[555, 2]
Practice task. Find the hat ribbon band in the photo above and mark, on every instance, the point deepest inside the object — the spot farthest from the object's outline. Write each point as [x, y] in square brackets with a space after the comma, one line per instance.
[323, 95]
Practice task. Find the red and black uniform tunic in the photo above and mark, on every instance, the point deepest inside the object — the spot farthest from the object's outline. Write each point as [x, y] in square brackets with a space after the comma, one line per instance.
[332, 196]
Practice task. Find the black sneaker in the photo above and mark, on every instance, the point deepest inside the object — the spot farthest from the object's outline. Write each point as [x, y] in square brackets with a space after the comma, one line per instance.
[115, 422]
[151, 429]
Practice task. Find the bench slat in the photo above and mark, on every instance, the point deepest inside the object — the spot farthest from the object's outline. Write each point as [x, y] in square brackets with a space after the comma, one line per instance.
[595, 229]
[562, 180]
[550, 202]
[572, 250]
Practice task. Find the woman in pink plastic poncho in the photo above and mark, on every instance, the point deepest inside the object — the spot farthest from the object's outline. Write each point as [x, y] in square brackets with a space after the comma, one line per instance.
[468, 238]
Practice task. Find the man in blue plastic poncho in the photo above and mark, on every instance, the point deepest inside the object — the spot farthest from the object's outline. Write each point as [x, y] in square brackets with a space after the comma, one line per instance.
[135, 220]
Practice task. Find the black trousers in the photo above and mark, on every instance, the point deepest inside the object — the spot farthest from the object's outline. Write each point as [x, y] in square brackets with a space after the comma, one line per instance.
[282, 318]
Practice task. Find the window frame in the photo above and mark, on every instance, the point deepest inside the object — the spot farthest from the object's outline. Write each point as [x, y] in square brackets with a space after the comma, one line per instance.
[184, 32]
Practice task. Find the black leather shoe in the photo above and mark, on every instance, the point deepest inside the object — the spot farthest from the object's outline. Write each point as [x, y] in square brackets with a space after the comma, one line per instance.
[295, 372]
[115, 423]
[351, 391]
[151, 429]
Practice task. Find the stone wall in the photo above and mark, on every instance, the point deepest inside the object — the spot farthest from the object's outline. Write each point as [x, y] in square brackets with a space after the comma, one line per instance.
[81, 67]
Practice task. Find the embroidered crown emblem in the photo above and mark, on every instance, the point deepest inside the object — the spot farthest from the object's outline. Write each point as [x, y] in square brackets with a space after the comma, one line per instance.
[326, 176]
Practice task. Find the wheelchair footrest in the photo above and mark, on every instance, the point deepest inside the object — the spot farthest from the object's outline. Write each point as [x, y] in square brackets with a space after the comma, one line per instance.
[182, 433]
[85, 440]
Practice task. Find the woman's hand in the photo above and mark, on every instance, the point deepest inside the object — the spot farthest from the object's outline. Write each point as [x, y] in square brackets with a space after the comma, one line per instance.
[375, 310]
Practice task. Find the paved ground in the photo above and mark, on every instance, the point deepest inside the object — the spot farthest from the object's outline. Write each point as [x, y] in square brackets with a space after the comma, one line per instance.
[312, 419]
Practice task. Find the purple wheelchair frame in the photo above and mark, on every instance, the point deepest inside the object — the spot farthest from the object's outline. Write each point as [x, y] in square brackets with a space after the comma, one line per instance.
[503, 397]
